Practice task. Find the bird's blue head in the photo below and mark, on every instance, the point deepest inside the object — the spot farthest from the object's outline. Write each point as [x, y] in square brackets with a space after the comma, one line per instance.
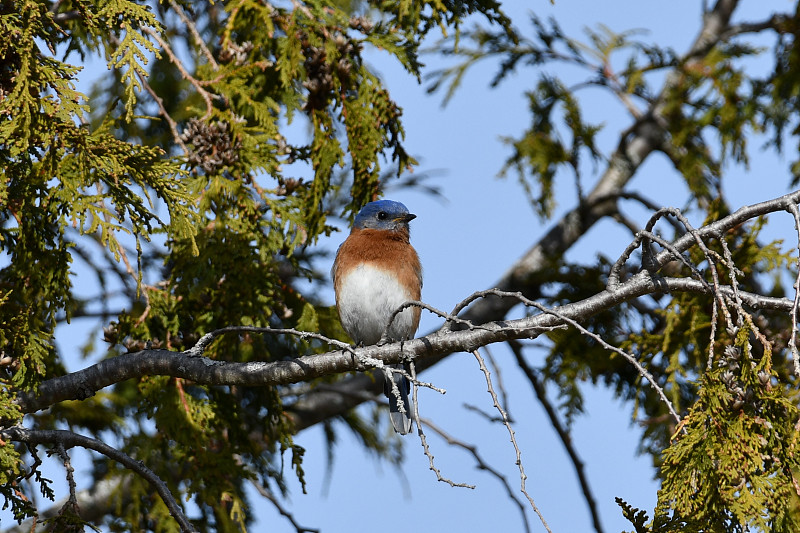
[384, 215]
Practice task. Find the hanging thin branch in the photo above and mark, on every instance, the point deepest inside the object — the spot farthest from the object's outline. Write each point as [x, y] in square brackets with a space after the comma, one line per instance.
[561, 431]
[68, 439]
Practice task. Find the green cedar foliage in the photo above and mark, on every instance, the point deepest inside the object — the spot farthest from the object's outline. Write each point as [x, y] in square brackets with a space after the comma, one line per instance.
[175, 182]
[169, 181]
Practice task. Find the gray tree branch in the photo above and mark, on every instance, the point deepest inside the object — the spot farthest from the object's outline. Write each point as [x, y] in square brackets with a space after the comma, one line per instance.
[68, 439]
[189, 365]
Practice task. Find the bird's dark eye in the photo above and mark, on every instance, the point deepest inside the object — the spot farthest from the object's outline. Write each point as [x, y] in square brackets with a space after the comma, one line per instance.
[382, 215]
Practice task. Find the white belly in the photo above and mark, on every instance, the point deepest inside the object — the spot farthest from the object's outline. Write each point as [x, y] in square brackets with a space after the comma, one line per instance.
[367, 298]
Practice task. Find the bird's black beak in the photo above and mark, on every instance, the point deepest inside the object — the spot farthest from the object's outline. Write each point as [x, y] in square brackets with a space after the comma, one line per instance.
[406, 218]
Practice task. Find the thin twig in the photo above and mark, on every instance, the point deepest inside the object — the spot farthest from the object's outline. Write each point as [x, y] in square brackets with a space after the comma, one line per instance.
[196, 34]
[423, 439]
[642, 238]
[737, 299]
[499, 381]
[480, 412]
[68, 439]
[719, 302]
[650, 236]
[716, 302]
[468, 300]
[708, 255]
[173, 126]
[629, 357]
[561, 431]
[449, 317]
[73, 488]
[522, 476]
[269, 496]
[204, 341]
[208, 97]
[482, 465]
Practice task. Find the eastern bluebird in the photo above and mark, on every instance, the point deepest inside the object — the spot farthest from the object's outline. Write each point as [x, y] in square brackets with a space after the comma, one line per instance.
[375, 272]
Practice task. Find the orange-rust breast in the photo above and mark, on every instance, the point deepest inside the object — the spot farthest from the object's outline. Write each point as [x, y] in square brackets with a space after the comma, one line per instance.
[388, 250]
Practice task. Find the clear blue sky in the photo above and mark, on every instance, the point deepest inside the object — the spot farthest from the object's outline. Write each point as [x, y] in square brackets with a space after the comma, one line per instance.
[466, 243]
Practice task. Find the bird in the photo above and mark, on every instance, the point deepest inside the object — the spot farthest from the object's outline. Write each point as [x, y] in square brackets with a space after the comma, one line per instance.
[376, 270]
